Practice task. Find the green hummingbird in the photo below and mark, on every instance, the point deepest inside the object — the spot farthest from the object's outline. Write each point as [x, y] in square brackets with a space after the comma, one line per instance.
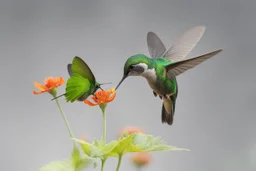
[163, 66]
[81, 83]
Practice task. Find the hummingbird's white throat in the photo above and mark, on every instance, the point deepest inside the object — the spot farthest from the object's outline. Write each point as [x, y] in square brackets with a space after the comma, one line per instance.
[149, 74]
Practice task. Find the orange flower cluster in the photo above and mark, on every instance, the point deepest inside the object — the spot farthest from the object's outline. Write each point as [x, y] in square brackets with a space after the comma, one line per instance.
[102, 97]
[50, 83]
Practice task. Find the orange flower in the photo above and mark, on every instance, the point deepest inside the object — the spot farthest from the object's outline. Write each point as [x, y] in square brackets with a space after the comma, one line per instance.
[141, 159]
[50, 83]
[131, 130]
[102, 97]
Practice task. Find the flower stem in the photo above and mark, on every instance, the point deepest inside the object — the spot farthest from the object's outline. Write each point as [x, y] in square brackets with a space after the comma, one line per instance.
[103, 109]
[119, 162]
[65, 119]
[105, 127]
[102, 164]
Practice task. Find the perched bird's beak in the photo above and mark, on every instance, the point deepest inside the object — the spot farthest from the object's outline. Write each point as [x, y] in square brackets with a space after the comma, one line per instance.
[124, 77]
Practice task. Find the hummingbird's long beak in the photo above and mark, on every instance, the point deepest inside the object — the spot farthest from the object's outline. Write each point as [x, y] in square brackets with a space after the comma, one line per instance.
[124, 77]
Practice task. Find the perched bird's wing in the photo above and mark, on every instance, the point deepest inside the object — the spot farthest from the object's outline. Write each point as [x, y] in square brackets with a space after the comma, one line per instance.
[184, 44]
[79, 67]
[156, 47]
[76, 87]
[69, 67]
[175, 69]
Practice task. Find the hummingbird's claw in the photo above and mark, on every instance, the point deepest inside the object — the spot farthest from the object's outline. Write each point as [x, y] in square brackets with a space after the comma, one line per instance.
[160, 97]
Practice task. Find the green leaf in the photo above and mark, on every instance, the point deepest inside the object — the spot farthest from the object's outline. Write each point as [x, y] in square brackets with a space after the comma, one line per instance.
[138, 142]
[65, 165]
[122, 145]
[77, 162]
[89, 149]
[148, 143]
[76, 87]
[97, 149]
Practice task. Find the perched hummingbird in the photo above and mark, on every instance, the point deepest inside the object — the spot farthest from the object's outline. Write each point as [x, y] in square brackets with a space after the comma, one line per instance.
[81, 83]
[164, 66]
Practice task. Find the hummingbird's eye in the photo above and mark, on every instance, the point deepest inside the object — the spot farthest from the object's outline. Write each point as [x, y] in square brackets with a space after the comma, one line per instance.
[131, 67]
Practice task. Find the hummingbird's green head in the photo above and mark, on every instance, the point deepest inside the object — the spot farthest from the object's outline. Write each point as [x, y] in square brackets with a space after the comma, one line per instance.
[135, 66]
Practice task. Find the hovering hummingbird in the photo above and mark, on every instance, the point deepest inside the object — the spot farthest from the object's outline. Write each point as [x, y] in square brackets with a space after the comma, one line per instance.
[163, 66]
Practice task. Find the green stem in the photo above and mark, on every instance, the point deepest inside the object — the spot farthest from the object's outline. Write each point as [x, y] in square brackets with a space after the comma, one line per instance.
[119, 162]
[105, 127]
[103, 109]
[102, 164]
[65, 119]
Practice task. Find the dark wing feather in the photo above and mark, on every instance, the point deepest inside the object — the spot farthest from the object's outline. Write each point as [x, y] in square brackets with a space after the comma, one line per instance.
[69, 67]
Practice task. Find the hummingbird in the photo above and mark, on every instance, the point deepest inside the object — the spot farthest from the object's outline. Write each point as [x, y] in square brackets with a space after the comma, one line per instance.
[82, 82]
[161, 68]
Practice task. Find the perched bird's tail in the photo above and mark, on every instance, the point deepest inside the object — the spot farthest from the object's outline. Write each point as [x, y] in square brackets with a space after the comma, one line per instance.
[168, 110]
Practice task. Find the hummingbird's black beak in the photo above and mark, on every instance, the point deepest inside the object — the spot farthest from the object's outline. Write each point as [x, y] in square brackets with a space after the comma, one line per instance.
[124, 77]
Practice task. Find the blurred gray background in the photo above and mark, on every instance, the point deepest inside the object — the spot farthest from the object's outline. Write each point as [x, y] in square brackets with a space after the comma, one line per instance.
[215, 114]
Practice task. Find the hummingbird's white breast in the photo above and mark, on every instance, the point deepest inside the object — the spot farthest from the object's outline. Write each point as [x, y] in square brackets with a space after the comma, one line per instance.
[149, 74]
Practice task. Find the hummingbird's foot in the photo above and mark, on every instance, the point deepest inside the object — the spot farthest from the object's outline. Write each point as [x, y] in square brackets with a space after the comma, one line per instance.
[161, 97]
[154, 93]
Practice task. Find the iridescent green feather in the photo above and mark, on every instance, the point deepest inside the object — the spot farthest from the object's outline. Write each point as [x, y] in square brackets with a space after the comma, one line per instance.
[81, 68]
[82, 82]
[76, 87]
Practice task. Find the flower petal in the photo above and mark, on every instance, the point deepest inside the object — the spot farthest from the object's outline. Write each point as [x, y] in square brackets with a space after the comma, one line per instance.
[90, 103]
[40, 87]
[47, 80]
[95, 99]
[111, 98]
[50, 83]
[58, 81]
[34, 92]
[61, 81]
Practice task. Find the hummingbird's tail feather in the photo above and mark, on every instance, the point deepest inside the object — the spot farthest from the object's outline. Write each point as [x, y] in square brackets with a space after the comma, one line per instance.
[168, 110]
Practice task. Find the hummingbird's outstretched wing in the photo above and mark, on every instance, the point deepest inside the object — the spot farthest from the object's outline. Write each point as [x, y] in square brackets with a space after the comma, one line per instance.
[175, 69]
[156, 47]
[183, 45]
